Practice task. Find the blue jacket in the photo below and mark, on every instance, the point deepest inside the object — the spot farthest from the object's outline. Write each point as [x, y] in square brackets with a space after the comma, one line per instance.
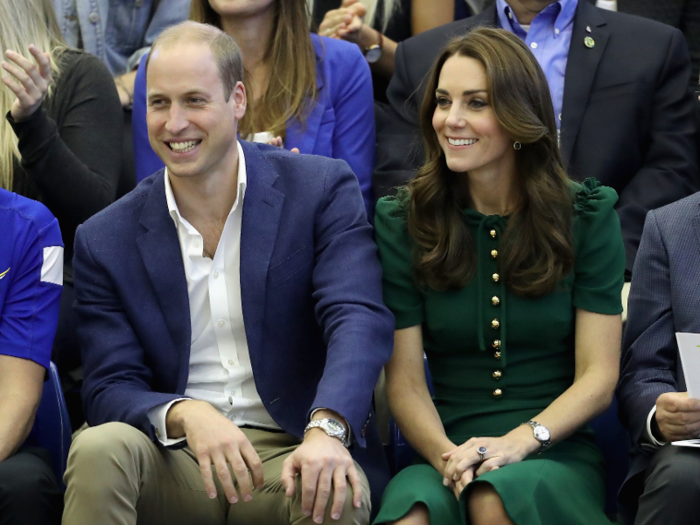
[340, 126]
[317, 329]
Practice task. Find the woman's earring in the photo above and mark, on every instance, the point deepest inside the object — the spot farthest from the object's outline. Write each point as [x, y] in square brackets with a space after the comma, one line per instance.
[517, 145]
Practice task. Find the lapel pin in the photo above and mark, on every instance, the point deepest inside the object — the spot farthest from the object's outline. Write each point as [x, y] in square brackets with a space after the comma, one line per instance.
[588, 29]
[590, 43]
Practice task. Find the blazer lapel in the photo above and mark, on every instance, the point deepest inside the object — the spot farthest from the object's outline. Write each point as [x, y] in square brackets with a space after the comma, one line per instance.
[581, 68]
[304, 135]
[262, 210]
[160, 251]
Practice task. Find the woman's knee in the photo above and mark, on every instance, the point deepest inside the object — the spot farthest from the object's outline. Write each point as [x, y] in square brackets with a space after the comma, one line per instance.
[486, 506]
[418, 515]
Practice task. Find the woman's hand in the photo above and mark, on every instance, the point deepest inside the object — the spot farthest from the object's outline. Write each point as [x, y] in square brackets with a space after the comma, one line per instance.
[464, 462]
[32, 82]
[345, 22]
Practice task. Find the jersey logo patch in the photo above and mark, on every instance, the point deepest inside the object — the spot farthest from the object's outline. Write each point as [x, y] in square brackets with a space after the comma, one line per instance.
[3, 274]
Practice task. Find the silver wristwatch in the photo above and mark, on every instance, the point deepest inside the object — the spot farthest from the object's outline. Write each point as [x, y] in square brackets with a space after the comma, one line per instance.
[332, 427]
[541, 433]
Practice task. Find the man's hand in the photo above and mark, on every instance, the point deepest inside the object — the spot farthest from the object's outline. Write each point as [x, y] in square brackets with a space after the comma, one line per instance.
[216, 440]
[322, 461]
[677, 417]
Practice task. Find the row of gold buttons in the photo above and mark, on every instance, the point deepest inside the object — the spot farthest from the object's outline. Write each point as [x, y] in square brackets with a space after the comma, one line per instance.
[495, 324]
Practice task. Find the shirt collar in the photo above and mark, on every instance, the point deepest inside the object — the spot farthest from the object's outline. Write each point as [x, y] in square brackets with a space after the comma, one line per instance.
[242, 184]
[564, 12]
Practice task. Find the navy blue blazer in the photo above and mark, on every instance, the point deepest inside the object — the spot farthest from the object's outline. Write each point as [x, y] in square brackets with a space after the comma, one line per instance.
[663, 300]
[317, 329]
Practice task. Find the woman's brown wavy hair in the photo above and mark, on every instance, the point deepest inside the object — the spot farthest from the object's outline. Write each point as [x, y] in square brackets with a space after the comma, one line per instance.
[292, 60]
[536, 249]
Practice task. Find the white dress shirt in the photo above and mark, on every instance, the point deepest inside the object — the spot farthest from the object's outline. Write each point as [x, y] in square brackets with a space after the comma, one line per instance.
[610, 5]
[220, 372]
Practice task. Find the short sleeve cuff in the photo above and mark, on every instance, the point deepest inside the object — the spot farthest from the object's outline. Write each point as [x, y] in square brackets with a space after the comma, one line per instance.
[157, 416]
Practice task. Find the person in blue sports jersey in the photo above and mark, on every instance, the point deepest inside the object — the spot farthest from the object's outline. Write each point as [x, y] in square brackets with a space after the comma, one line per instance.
[31, 279]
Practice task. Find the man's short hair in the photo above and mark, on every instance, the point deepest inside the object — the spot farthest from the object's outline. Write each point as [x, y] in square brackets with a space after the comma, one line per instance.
[224, 49]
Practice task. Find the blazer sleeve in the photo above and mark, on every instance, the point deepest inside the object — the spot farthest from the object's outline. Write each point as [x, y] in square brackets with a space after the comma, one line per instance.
[347, 288]
[399, 144]
[670, 163]
[354, 135]
[649, 350]
[117, 381]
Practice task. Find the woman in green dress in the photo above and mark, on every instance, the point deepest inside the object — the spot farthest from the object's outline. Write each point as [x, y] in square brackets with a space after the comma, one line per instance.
[508, 276]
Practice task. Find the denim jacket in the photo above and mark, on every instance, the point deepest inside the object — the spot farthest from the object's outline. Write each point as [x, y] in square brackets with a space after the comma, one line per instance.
[118, 32]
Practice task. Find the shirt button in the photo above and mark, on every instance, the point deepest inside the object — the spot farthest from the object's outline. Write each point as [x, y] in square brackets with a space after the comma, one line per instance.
[495, 277]
[216, 275]
[498, 392]
[556, 31]
[492, 233]
[510, 15]
[495, 323]
[497, 374]
[495, 301]
[497, 355]
[533, 45]
[230, 362]
[230, 400]
[221, 322]
[494, 253]
[94, 17]
[496, 343]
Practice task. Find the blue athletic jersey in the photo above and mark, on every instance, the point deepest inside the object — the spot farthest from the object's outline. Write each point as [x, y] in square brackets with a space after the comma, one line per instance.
[31, 278]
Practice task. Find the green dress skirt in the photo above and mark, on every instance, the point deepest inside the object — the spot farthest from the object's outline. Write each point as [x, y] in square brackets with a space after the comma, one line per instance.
[497, 360]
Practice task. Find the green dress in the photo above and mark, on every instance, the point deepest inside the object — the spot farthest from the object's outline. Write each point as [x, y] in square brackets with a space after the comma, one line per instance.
[488, 380]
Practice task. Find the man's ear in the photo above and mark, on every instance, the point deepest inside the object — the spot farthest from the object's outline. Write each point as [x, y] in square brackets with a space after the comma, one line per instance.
[239, 99]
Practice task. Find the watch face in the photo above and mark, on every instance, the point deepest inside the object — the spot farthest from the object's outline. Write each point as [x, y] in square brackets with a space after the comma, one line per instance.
[373, 54]
[541, 433]
[335, 427]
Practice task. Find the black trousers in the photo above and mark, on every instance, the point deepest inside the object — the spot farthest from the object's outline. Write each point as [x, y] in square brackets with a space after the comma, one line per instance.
[671, 488]
[29, 493]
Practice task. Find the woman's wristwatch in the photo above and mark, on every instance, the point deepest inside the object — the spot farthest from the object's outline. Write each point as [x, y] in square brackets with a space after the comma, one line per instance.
[332, 427]
[541, 434]
[374, 53]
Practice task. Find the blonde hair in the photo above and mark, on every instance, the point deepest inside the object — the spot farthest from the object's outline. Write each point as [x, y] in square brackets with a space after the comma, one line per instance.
[389, 6]
[24, 22]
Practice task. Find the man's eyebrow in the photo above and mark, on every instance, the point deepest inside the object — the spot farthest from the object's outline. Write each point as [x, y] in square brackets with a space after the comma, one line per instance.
[465, 93]
[157, 94]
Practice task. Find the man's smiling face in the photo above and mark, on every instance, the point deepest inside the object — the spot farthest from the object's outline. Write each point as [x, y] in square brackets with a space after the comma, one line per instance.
[192, 127]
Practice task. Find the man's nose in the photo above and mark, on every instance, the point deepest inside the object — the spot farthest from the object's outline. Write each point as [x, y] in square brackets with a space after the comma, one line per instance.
[177, 119]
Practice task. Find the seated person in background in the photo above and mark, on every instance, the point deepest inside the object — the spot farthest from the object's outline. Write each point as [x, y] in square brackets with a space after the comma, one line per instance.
[683, 14]
[654, 405]
[377, 25]
[508, 276]
[58, 140]
[224, 303]
[31, 272]
[306, 92]
[118, 33]
[619, 87]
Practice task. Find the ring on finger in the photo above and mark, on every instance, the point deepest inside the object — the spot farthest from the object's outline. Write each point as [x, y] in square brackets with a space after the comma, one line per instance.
[482, 453]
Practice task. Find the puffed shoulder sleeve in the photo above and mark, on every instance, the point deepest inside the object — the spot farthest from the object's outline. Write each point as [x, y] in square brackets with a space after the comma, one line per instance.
[600, 252]
[401, 294]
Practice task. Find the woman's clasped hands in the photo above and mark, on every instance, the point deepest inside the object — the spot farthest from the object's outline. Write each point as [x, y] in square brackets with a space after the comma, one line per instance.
[480, 455]
[344, 22]
[30, 83]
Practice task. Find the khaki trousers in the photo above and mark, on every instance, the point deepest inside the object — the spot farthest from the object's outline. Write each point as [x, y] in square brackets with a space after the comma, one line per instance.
[117, 476]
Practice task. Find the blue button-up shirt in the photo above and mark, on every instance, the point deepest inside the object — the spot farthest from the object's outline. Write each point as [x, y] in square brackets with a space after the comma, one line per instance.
[118, 32]
[549, 38]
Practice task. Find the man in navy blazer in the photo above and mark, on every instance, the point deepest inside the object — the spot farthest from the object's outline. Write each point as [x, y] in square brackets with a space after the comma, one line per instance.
[627, 113]
[663, 481]
[231, 303]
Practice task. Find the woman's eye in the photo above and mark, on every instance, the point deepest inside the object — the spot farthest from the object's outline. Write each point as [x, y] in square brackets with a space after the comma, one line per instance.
[442, 102]
[477, 103]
